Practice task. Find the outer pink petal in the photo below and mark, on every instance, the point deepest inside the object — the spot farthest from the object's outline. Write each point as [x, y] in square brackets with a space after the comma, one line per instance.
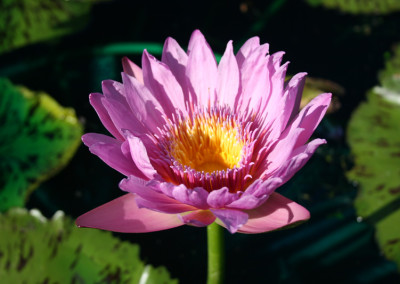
[228, 78]
[109, 150]
[139, 155]
[114, 90]
[176, 59]
[221, 197]
[132, 69]
[96, 101]
[230, 218]
[256, 194]
[198, 218]
[149, 198]
[119, 113]
[163, 85]
[300, 157]
[196, 197]
[309, 117]
[247, 48]
[123, 215]
[201, 70]
[142, 103]
[275, 213]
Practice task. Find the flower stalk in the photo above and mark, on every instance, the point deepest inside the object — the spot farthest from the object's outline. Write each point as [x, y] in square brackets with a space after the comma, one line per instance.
[216, 254]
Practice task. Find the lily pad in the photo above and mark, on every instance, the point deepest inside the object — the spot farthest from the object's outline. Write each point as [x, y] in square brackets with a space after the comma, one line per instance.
[374, 137]
[34, 249]
[24, 22]
[37, 139]
[360, 6]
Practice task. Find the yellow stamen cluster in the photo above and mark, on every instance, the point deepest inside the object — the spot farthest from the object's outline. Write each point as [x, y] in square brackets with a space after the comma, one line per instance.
[206, 143]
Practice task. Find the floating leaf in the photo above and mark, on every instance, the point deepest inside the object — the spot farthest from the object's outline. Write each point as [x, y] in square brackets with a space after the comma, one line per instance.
[314, 86]
[36, 250]
[374, 136]
[360, 6]
[37, 138]
[24, 22]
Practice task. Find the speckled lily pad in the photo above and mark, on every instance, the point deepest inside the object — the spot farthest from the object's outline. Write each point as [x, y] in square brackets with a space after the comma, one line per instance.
[360, 6]
[374, 137]
[37, 138]
[34, 249]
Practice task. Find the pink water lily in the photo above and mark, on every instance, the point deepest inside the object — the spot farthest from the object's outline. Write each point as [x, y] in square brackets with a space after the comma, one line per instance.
[201, 142]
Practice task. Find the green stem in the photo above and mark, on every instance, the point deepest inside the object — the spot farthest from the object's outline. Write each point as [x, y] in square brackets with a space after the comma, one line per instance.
[215, 239]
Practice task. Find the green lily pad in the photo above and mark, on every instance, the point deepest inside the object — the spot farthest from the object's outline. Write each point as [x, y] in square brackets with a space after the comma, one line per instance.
[34, 249]
[359, 6]
[374, 137]
[24, 22]
[315, 86]
[37, 139]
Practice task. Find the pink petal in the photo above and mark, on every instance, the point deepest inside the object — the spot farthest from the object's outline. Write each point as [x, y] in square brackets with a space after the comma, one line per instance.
[247, 48]
[275, 213]
[256, 194]
[114, 90]
[109, 150]
[255, 83]
[123, 215]
[139, 155]
[163, 85]
[201, 70]
[142, 103]
[96, 101]
[282, 150]
[132, 69]
[119, 113]
[149, 198]
[176, 59]
[300, 157]
[230, 218]
[309, 117]
[196, 197]
[221, 197]
[228, 78]
[198, 218]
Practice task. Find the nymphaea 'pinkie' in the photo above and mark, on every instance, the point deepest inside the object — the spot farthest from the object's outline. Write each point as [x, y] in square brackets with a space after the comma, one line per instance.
[201, 142]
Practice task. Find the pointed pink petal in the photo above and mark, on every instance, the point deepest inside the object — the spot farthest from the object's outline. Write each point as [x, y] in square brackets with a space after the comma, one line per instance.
[230, 218]
[247, 48]
[282, 150]
[123, 215]
[132, 69]
[163, 85]
[96, 101]
[228, 78]
[140, 156]
[109, 150]
[198, 218]
[256, 194]
[255, 83]
[275, 213]
[176, 59]
[201, 70]
[149, 198]
[221, 197]
[300, 157]
[142, 103]
[196, 197]
[309, 117]
[114, 90]
[119, 113]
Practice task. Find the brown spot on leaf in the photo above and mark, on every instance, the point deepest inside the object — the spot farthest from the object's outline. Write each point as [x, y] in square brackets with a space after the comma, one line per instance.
[380, 187]
[392, 242]
[395, 190]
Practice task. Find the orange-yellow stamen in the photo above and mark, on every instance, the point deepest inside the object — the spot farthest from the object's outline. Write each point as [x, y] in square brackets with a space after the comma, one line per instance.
[207, 144]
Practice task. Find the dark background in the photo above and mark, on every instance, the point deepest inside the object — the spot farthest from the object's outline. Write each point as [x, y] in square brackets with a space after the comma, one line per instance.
[347, 49]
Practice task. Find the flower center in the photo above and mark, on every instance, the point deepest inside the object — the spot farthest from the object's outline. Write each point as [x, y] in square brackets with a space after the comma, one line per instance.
[208, 142]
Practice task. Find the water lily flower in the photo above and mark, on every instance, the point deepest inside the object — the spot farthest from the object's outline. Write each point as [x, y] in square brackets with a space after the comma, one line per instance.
[201, 142]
